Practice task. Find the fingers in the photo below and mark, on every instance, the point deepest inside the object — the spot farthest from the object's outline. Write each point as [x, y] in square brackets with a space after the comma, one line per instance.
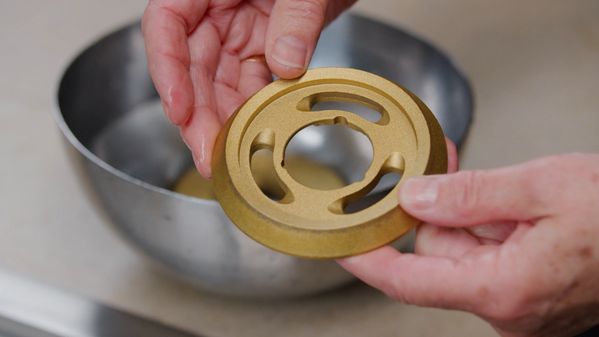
[225, 83]
[469, 198]
[165, 25]
[227, 101]
[200, 131]
[493, 233]
[420, 280]
[254, 75]
[438, 241]
[246, 33]
[432, 240]
[293, 31]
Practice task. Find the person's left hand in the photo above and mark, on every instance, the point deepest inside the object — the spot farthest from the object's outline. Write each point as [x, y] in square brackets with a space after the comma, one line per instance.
[206, 57]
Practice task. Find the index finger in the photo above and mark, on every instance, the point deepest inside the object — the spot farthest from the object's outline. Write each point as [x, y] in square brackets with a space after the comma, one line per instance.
[166, 25]
[421, 280]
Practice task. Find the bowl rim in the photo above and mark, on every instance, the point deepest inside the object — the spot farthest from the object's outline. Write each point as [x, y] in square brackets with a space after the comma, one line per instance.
[86, 152]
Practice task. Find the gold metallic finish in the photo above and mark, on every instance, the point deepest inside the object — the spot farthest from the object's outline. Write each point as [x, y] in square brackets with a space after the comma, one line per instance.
[309, 222]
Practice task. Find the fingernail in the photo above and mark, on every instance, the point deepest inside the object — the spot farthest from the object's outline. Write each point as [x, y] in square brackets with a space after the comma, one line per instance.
[290, 52]
[201, 166]
[419, 193]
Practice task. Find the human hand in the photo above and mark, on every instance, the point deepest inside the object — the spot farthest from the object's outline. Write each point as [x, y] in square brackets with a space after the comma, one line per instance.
[518, 246]
[206, 57]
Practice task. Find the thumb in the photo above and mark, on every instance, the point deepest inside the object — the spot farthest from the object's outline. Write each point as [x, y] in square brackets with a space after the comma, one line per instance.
[293, 30]
[468, 198]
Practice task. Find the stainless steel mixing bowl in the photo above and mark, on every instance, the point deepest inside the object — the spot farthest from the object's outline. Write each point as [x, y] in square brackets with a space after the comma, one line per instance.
[122, 145]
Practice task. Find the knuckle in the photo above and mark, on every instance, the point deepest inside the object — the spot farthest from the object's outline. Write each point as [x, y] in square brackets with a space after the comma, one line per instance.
[310, 10]
[467, 185]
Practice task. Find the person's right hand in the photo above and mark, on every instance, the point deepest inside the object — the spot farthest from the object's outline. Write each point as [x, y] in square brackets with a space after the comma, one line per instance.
[206, 57]
[518, 246]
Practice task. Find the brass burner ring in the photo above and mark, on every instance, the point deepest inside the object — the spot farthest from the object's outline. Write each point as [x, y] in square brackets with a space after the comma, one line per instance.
[309, 222]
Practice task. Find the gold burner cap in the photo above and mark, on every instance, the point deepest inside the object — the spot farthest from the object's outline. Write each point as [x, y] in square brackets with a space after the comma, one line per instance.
[315, 223]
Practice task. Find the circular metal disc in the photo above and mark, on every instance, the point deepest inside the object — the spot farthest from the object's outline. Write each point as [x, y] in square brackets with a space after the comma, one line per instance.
[316, 223]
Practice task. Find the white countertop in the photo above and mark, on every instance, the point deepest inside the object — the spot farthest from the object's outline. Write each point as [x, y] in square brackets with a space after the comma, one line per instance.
[535, 69]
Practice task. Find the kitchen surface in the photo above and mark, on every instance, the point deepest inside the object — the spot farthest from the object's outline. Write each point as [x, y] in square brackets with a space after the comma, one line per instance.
[535, 73]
